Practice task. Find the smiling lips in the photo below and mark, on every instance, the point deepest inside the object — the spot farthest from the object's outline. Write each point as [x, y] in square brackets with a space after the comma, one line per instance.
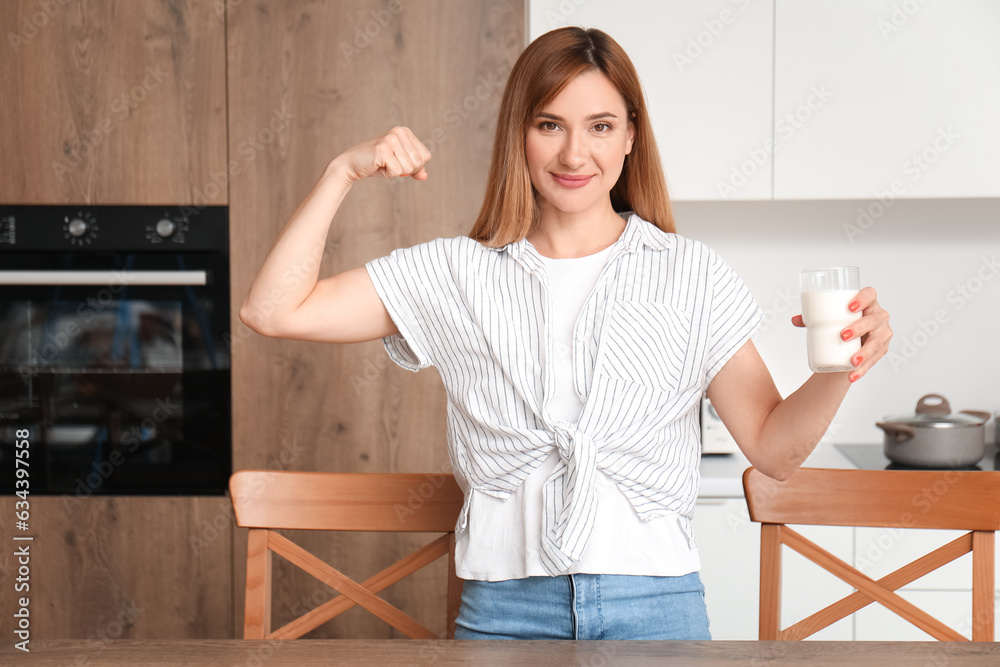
[571, 181]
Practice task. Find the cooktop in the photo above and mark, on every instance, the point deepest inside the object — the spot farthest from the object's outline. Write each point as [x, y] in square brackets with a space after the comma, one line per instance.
[871, 457]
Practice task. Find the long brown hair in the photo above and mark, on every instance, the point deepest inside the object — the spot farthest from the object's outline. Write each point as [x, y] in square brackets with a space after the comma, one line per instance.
[544, 68]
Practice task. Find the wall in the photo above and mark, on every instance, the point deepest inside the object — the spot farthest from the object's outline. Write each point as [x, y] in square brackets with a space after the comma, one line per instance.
[934, 262]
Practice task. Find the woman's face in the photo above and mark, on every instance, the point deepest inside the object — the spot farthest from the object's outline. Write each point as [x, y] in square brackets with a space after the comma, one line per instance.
[577, 144]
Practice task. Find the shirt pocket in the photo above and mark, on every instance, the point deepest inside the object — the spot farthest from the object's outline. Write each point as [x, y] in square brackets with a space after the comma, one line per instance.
[646, 342]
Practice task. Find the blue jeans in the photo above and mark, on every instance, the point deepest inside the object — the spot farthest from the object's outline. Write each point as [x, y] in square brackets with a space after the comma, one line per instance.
[584, 606]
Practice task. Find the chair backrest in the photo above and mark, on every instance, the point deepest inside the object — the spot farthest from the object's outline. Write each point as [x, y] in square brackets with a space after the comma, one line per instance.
[266, 501]
[945, 499]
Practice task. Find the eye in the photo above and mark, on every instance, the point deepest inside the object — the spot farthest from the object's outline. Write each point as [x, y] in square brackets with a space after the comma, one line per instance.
[548, 126]
[603, 127]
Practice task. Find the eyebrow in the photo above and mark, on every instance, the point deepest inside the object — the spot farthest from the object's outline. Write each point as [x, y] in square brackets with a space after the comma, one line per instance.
[593, 116]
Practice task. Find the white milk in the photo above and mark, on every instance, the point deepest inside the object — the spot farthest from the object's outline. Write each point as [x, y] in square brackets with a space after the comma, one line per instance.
[825, 315]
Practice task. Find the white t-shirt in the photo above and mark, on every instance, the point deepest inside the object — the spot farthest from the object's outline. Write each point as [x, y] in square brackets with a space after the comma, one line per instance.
[503, 537]
[664, 316]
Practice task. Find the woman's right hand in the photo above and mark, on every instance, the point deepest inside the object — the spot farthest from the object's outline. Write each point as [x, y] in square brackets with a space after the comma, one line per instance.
[396, 153]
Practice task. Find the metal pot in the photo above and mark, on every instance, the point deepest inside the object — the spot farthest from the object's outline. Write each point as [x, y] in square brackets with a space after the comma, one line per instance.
[935, 438]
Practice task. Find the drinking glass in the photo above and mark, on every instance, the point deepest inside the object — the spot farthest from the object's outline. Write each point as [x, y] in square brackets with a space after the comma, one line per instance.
[825, 295]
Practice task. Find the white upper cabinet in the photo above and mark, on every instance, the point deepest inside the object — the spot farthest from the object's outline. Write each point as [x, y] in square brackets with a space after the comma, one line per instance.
[706, 68]
[826, 99]
[887, 99]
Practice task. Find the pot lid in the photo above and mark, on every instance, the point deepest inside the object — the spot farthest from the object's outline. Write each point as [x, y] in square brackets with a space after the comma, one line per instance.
[934, 411]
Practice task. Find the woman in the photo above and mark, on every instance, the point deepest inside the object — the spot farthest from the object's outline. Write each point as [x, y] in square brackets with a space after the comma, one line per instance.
[575, 334]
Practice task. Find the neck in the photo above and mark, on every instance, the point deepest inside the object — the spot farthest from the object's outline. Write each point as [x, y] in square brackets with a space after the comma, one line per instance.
[564, 235]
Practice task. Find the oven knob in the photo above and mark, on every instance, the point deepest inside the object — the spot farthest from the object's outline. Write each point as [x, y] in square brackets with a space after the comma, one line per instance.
[77, 227]
[165, 228]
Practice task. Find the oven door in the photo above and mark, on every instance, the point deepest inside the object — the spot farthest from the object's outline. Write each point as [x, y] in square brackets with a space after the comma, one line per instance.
[119, 367]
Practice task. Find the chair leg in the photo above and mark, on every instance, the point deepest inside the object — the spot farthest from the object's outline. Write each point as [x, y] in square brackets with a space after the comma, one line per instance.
[770, 581]
[983, 581]
[257, 608]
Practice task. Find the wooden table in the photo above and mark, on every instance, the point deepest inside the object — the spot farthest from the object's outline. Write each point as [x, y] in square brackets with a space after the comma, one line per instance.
[253, 653]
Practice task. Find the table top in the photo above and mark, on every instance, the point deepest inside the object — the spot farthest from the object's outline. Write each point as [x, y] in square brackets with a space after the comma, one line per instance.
[519, 653]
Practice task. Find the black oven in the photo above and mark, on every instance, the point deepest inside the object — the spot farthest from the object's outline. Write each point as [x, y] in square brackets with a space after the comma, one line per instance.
[114, 348]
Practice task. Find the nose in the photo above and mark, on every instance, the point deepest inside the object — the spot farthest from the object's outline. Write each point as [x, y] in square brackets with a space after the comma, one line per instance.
[574, 150]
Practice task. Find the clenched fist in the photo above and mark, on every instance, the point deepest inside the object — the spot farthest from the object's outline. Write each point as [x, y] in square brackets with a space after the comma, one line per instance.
[396, 153]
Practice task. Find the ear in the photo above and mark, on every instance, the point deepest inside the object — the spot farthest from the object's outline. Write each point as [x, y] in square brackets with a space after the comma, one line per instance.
[631, 138]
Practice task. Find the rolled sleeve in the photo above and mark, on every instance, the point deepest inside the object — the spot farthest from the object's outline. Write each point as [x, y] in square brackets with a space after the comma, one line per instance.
[734, 319]
[402, 281]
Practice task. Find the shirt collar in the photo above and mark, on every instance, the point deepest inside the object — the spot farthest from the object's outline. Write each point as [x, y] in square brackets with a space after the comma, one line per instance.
[638, 232]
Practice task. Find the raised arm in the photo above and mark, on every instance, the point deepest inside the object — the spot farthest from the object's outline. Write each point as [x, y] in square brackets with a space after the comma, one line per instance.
[286, 299]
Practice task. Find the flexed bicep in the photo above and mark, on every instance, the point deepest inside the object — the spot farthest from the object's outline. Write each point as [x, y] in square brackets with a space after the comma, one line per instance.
[344, 308]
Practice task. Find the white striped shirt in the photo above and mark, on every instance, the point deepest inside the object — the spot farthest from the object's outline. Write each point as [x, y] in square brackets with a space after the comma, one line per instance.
[665, 316]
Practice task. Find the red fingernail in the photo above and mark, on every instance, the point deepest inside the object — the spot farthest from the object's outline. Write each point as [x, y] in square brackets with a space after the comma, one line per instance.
[846, 334]
[857, 360]
[853, 307]
[853, 377]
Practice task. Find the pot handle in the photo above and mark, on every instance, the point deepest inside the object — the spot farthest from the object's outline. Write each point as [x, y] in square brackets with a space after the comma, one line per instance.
[901, 432]
[978, 414]
[926, 407]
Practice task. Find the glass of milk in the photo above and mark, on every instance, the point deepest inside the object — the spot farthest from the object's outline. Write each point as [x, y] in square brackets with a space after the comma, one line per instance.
[826, 294]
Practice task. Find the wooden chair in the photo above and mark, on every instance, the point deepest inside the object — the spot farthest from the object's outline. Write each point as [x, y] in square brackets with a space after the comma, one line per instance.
[946, 499]
[267, 501]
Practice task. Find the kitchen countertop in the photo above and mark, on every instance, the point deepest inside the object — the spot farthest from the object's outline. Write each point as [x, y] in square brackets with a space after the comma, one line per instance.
[722, 474]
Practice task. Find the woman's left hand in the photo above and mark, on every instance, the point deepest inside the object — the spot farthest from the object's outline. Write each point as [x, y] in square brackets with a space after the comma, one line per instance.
[872, 328]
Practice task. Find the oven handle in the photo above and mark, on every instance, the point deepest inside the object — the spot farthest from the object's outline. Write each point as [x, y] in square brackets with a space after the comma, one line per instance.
[107, 278]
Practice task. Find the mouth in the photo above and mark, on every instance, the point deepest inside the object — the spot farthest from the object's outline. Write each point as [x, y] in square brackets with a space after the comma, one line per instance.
[571, 181]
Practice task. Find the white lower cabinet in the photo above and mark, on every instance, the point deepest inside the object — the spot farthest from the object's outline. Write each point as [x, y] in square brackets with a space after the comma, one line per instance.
[729, 544]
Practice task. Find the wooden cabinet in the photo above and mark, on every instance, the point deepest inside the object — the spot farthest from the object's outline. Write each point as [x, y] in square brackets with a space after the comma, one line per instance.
[113, 102]
[117, 102]
[308, 80]
[121, 568]
[706, 68]
[887, 99]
